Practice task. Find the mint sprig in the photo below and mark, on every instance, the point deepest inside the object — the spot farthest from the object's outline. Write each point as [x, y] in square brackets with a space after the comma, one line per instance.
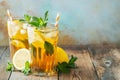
[49, 48]
[36, 21]
[9, 67]
[65, 67]
[27, 69]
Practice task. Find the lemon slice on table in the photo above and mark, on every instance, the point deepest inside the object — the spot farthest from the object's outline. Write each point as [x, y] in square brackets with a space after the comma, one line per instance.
[20, 57]
[61, 56]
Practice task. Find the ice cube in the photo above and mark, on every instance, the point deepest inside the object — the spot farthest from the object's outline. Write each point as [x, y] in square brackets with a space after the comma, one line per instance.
[23, 31]
[51, 34]
[33, 35]
[25, 26]
[12, 30]
[30, 34]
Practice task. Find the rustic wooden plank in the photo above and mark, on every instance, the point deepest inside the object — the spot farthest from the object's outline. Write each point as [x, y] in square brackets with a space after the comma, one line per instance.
[3, 62]
[2, 49]
[85, 70]
[21, 76]
[106, 62]
[115, 54]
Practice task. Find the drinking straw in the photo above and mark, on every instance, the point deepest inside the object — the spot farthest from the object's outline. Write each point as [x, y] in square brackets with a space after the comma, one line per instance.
[9, 15]
[57, 19]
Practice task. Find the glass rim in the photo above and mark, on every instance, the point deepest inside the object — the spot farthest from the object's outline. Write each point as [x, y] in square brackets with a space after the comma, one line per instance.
[16, 18]
[48, 28]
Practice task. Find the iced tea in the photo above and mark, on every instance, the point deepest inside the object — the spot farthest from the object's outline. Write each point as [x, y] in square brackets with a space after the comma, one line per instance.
[18, 38]
[42, 60]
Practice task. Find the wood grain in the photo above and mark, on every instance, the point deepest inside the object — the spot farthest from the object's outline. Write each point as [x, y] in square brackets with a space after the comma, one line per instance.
[96, 63]
[21, 76]
[106, 62]
[85, 70]
[2, 49]
[3, 62]
[115, 55]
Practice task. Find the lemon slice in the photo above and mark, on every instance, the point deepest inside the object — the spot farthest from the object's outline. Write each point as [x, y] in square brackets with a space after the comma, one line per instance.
[20, 57]
[18, 44]
[38, 44]
[61, 56]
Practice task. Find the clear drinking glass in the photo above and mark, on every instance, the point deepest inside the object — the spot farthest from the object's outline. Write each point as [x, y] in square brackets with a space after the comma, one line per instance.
[18, 38]
[42, 62]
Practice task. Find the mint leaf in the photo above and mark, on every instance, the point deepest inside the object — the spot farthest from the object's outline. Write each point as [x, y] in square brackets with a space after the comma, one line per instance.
[49, 48]
[72, 60]
[34, 24]
[45, 23]
[9, 67]
[27, 69]
[45, 19]
[41, 21]
[46, 16]
[27, 65]
[27, 17]
[62, 67]
[65, 67]
[22, 20]
[33, 50]
[35, 21]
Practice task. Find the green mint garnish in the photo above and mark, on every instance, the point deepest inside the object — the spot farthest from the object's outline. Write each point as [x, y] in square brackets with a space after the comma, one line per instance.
[27, 69]
[65, 67]
[49, 48]
[45, 18]
[27, 17]
[36, 21]
[33, 50]
[9, 67]
[72, 62]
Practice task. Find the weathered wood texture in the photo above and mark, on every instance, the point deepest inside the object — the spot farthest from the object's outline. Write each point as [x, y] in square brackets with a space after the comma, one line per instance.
[94, 63]
[2, 49]
[21, 76]
[85, 69]
[5, 57]
[106, 62]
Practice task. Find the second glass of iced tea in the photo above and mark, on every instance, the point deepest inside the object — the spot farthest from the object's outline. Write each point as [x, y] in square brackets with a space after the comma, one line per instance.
[18, 37]
[42, 45]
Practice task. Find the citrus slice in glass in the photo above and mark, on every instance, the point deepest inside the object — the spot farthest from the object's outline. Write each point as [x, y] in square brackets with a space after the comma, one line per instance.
[20, 57]
[17, 44]
[20, 35]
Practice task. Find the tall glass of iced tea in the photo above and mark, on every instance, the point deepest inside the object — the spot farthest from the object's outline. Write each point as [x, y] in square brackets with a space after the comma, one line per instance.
[42, 45]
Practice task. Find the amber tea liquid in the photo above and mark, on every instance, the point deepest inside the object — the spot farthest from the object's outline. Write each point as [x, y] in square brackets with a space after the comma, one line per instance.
[18, 38]
[42, 63]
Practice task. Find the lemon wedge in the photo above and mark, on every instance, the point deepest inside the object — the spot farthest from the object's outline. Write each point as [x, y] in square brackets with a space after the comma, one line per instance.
[61, 56]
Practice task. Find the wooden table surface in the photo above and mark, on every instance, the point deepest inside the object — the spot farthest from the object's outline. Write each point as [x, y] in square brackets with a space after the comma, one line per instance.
[94, 63]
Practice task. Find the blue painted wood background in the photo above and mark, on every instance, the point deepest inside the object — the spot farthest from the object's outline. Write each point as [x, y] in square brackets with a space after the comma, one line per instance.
[81, 21]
